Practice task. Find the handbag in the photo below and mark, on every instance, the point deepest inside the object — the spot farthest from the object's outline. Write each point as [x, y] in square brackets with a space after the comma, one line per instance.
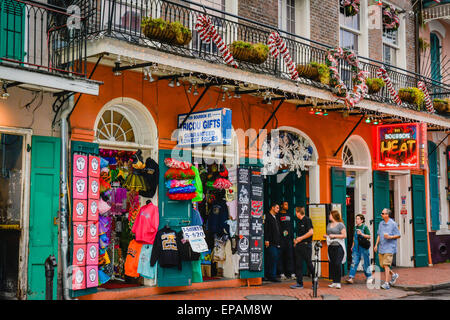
[363, 242]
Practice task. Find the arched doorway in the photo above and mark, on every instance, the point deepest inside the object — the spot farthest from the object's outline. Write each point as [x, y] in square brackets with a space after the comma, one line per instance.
[356, 161]
[123, 128]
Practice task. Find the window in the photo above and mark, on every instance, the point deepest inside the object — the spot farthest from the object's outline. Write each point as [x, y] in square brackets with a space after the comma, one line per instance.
[347, 156]
[390, 46]
[290, 16]
[114, 126]
[349, 30]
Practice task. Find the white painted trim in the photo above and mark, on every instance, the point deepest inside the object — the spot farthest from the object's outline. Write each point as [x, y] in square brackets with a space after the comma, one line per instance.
[25, 214]
[444, 203]
[437, 27]
[48, 81]
[141, 120]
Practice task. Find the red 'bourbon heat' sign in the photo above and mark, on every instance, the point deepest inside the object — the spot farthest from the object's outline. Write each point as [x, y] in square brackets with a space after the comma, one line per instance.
[400, 146]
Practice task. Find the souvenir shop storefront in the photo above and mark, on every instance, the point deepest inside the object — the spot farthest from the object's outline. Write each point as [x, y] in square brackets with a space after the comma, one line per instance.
[155, 218]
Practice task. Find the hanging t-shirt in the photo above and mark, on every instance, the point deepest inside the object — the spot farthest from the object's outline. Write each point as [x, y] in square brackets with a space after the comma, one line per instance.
[144, 268]
[218, 214]
[132, 260]
[146, 225]
[165, 249]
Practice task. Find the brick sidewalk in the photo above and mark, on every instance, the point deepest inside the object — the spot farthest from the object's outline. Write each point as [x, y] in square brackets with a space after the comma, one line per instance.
[426, 276]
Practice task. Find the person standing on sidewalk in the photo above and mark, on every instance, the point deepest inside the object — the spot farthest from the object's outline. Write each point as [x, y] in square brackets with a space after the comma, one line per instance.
[286, 261]
[303, 246]
[388, 234]
[272, 242]
[358, 251]
[336, 233]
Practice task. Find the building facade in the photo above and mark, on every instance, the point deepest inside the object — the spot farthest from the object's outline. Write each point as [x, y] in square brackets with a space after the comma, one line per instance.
[148, 81]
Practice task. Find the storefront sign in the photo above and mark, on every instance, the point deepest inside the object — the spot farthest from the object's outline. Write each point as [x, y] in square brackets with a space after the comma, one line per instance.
[205, 128]
[196, 238]
[400, 146]
[318, 216]
[256, 220]
[244, 204]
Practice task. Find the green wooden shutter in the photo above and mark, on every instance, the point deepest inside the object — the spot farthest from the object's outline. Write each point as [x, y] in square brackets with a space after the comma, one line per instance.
[435, 53]
[380, 200]
[44, 207]
[338, 195]
[434, 186]
[419, 219]
[12, 30]
[176, 214]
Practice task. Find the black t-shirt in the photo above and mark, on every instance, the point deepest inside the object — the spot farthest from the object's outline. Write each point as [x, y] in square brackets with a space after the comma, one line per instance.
[285, 224]
[303, 226]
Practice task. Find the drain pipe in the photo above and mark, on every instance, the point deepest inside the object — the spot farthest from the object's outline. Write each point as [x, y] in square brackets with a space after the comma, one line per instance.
[64, 199]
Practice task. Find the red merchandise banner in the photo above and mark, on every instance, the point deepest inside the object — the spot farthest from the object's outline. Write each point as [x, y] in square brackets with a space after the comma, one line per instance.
[400, 146]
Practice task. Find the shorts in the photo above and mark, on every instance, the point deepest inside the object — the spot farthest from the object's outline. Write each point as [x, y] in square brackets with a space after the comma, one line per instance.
[385, 259]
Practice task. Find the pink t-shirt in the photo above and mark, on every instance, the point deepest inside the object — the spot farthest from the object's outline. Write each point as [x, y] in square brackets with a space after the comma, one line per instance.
[146, 225]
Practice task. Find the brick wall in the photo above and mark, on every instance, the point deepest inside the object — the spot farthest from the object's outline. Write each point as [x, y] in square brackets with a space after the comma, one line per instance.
[325, 21]
[264, 11]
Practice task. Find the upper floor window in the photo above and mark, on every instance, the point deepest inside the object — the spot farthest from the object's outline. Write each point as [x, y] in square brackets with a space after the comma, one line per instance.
[350, 30]
[390, 46]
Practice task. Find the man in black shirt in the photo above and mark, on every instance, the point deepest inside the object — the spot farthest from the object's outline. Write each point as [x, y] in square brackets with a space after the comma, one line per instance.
[303, 246]
[286, 261]
[272, 241]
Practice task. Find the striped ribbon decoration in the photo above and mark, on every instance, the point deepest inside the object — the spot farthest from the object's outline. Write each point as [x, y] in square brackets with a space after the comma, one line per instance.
[207, 31]
[382, 73]
[276, 46]
[428, 103]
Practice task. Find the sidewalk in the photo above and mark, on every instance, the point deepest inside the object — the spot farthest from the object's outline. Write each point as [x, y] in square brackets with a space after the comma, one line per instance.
[411, 281]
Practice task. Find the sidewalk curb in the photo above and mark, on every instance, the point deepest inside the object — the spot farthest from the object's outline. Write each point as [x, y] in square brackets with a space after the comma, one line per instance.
[423, 288]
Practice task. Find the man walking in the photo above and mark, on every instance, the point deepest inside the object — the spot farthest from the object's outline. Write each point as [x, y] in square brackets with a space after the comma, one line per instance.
[303, 247]
[387, 236]
[286, 261]
[272, 241]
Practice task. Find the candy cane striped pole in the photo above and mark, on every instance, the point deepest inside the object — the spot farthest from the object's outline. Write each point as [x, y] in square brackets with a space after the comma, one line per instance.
[277, 46]
[381, 73]
[428, 103]
[208, 32]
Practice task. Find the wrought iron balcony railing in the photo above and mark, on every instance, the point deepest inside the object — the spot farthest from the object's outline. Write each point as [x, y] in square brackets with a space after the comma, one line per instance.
[121, 19]
[37, 36]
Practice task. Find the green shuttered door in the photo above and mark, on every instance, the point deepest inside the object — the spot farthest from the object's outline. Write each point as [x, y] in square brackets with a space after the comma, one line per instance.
[176, 214]
[419, 218]
[44, 207]
[380, 200]
[338, 195]
[12, 29]
[434, 186]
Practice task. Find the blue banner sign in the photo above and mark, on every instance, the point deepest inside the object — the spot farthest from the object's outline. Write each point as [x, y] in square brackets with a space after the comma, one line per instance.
[205, 128]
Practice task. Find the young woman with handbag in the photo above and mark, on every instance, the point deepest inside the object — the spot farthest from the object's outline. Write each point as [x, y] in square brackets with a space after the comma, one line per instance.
[360, 249]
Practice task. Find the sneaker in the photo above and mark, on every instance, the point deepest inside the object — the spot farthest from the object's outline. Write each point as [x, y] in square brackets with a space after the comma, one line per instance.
[332, 285]
[394, 279]
[338, 286]
[293, 276]
[283, 277]
[297, 286]
[370, 280]
[349, 280]
[385, 286]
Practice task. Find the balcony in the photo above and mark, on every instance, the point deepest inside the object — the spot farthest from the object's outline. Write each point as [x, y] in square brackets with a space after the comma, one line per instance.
[121, 19]
[34, 37]
[433, 11]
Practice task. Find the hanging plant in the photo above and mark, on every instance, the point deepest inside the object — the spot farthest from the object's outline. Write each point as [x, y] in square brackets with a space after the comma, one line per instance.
[250, 52]
[164, 31]
[374, 84]
[412, 95]
[391, 21]
[315, 71]
[442, 105]
[351, 7]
